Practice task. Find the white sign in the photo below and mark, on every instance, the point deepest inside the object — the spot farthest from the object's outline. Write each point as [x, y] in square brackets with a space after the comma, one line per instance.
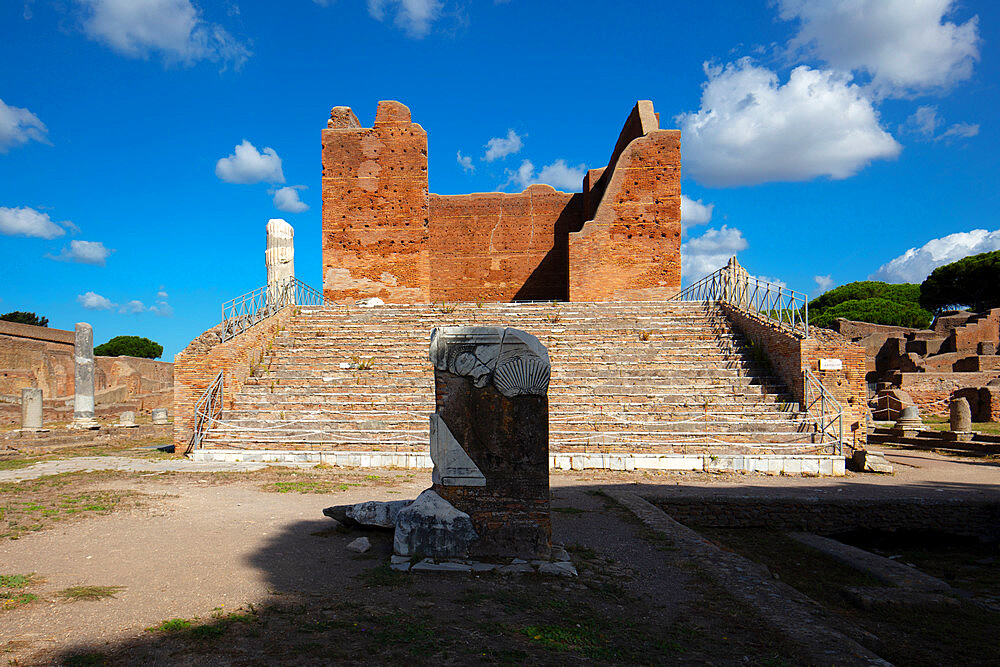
[831, 364]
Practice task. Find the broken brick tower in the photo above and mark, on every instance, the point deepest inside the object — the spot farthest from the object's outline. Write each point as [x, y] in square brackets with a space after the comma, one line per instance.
[385, 235]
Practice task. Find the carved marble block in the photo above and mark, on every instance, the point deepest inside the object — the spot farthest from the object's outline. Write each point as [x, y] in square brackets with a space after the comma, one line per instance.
[490, 436]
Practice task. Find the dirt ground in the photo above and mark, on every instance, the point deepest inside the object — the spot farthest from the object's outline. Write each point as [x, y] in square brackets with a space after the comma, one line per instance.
[243, 568]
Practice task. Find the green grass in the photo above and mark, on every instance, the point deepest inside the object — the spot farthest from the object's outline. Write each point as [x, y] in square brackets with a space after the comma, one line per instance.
[16, 580]
[78, 593]
[171, 625]
[308, 486]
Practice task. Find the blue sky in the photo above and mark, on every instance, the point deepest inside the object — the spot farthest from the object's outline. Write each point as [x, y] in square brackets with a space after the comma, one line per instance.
[824, 141]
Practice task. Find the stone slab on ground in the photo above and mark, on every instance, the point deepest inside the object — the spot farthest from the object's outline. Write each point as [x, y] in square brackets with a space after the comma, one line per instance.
[784, 608]
[883, 569]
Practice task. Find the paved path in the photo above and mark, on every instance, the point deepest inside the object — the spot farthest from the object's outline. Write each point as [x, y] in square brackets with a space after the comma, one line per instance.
[91, 463]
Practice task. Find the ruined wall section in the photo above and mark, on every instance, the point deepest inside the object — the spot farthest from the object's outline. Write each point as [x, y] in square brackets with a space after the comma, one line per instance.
[630, 250]
[502, 247]
[375, 207]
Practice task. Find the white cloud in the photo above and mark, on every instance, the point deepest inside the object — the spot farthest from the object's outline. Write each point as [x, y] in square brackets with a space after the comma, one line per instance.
[777, 282]
[694, 213]
[466, 163]
[960, 130]
[132, 307]
[916, 263]
[163, 309]
[558, 174]
[94, 301]
[172, 28]
[287, 199]
[162, 295]
[750, 129]
[24, 221]
[246, 165]
[84, 252]
[823, 283]
[702, 255]
[413, 16]
[500, 147]
[906, 46]
[18, 126]
[925, 122]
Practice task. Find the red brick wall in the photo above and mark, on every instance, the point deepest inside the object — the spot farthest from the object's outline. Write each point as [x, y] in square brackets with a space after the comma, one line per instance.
[383, 232]
[199, 363]
[501, 247]
[375, 210]
[790, 355]
[631, 250]
[966, 338]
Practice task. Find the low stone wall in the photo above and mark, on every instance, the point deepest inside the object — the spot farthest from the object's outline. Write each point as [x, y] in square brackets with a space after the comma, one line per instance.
[790, 355]
[976, 519]
[199, 363]
[931, 391]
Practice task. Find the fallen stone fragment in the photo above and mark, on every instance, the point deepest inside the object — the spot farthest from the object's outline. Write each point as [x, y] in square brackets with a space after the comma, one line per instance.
[430, 525]
[372, 513]
[865, 461]
[560, 569]
[429, 565]
[517, 568]
[360, 545]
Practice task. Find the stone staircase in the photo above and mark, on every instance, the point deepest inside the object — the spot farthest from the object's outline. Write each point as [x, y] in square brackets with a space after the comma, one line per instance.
[667, 377]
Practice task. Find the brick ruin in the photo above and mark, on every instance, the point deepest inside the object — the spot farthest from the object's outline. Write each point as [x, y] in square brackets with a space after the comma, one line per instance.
[42, 358]
[958, 356]
[385, 235]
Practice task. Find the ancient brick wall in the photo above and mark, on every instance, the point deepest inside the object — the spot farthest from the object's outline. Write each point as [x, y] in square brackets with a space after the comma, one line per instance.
[375, 207]
[502, 247]
[931, 391]
[383, 231]
[790, 355]
[630, 250]
[197, 365]
[966, 338]
[41, 357]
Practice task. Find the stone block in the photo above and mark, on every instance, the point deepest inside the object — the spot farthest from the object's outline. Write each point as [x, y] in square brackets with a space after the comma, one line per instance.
[371, 513]
[866, 461]
[31, 409]
[359, 546]
[960, 415]
[159, 416]
[431, 526]
[127, 419]
[490, 436]
[429, 565]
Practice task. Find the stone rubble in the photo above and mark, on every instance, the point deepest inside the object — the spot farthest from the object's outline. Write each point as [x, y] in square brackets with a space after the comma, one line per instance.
[360, 545]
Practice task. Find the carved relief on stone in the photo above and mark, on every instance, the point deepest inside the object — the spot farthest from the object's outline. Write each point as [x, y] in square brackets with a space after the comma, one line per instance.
[452, 465]
[515, 362]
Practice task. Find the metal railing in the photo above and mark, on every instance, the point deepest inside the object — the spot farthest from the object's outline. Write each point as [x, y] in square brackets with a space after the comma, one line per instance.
[830, 420]
[733, 285]
[207, 411]
[243, 312]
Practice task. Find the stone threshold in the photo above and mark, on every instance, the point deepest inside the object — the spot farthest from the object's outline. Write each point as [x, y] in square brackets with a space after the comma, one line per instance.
[769, 464]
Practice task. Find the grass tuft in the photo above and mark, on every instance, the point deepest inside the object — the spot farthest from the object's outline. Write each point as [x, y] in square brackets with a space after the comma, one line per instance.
[79, 593]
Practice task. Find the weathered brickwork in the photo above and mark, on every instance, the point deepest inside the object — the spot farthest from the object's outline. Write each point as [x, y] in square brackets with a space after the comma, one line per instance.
[383, 230]
[502, 247]
[630, 250]
[41, 357]
[790, 355]
[196, 367]
[375, 207]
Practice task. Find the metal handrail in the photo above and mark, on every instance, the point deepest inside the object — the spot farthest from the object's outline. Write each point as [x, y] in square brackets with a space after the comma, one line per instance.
[243, 312]
[830, 422]
[207, 411]
[733, 285]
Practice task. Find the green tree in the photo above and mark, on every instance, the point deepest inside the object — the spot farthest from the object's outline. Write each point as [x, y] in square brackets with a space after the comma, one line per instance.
[129, 346]
[22, 317]
[876, 311]
[865, 289]
[973, 281]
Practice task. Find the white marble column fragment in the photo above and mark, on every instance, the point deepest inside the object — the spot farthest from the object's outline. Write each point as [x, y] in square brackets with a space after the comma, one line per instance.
[279, 258]
[31, 409]
[83, 400]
